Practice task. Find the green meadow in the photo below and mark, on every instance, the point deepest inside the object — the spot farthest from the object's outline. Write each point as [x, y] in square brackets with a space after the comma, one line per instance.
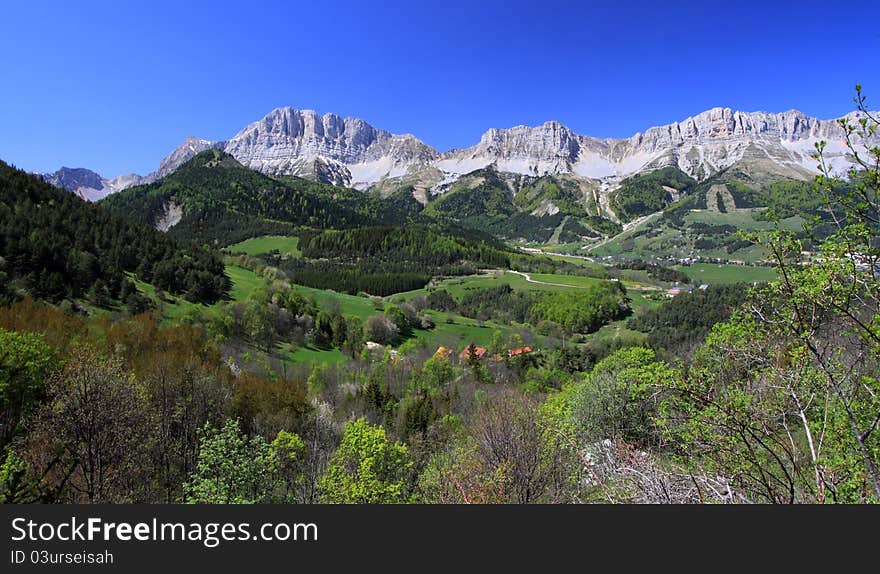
[267, 244]
[715, 273]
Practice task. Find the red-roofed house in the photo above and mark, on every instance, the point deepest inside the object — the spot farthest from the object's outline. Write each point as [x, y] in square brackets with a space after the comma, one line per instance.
[479, 352]
[519, 351]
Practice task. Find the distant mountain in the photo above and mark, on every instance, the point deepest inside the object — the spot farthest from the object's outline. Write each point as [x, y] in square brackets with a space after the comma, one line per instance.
[87, 184]
[326, 148]
[700, 146]
[355, 153]
[350, 152]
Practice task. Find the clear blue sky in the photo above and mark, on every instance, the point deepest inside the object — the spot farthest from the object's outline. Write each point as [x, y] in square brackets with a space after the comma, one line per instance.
[114, 86]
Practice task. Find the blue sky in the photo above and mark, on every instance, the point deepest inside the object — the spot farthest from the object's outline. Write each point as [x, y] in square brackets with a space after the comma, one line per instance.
[114, 86]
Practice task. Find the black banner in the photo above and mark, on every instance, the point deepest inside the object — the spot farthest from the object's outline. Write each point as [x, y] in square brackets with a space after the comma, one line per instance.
[168, 538]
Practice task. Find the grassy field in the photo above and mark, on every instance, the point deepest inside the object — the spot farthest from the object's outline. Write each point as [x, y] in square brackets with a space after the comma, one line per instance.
[615, 331]
[450, 330]
[458, 335]
[712, 273]
[244, 281]
[361, 307]
[569, 280]
[640, 300]
[310, 355]
[175, 308]
[455, 335]
[656, 237]
[457, 286]
[266, 244]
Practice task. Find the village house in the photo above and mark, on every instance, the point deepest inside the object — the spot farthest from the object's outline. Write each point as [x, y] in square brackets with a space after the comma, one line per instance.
[442, 353]
[479, 352]
[519, 351]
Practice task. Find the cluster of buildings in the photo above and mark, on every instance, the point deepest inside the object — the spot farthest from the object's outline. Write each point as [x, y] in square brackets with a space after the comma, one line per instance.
[478, 353]
[679, 289]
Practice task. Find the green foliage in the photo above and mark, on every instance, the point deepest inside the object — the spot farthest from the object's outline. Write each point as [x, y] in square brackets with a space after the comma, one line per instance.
[658, 272]
[367, 468]
[614, 401]
[584, 310]
[267, 244]
[430, 246]
[682, 322]
[484, 200]
[603, 225]
[441, 300]
[502, 304]
[15, 483]
[232, 469]
[543, 380]
[25, 364]
[286, 461]
[785, 199]
[386, 260]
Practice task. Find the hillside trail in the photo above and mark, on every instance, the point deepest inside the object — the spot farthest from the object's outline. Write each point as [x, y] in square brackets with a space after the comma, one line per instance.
[528, 278]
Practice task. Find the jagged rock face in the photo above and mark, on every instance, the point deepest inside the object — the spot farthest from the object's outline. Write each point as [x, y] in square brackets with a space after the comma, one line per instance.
[717, 138]
[341, 151]
[549, 148]
[124, 181]
[351, 152]
[286, 134]
[700, 146]
[317, 169]
[289, 141]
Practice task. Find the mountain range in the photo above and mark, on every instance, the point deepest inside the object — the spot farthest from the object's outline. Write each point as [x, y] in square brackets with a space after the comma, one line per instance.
[350, 152]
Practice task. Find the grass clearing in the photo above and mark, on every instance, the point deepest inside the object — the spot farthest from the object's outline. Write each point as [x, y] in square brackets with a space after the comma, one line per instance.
[267, 244]
[311, 355]
[244, 282]
[360, 307]
[457, 286]
[175, 308]
[715, 273]
[568, 280]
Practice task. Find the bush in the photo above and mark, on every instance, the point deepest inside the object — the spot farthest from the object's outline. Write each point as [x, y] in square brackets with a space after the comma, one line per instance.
[380, 329]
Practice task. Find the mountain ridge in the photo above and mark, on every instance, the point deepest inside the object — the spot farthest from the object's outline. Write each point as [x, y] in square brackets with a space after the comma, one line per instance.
[351, 152]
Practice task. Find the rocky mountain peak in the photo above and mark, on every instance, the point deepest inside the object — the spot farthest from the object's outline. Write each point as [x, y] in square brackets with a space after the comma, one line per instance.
[73, 178]
[549, 140]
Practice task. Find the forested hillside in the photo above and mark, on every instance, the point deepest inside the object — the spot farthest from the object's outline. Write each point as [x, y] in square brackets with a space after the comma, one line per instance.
[54, 245]
[647, 193]
[524, 208]
[221, 202]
